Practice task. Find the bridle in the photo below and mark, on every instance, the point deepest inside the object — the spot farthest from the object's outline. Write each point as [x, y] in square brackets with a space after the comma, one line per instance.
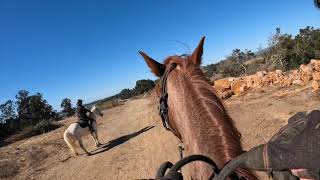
[163, 102]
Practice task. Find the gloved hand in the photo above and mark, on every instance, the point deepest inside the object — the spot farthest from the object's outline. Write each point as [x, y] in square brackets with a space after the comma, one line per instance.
[295, 146]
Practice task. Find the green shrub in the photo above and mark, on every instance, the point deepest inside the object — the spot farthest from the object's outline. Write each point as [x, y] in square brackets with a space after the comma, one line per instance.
[143, 86]
[284, 52]
[45, 126]
[126, 93]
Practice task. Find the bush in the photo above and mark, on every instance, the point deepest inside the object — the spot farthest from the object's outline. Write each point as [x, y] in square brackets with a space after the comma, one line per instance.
[143, 86]
[126, 93]
[109, 104]
[67, 107]
[45, 126]
[210, 70]
[285, 52]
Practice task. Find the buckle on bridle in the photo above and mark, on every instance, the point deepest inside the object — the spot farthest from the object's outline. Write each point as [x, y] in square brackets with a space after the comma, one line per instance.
[163, 111]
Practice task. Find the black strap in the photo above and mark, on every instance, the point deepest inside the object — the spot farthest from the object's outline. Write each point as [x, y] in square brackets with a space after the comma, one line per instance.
[163, 102]
[163, 111]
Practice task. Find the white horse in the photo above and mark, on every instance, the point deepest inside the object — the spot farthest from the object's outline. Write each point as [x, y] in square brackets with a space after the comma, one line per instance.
[75, 132]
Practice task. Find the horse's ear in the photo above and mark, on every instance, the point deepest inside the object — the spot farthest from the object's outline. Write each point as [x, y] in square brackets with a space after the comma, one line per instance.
[196, 56]
[157, 68]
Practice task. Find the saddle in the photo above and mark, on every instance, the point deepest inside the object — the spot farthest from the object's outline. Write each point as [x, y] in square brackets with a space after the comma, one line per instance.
[83, 123]
[86, 123]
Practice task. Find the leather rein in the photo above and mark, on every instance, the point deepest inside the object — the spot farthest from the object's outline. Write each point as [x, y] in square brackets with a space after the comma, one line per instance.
[163, 102]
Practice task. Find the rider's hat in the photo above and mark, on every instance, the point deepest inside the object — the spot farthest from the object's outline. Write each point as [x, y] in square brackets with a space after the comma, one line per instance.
[79, 102]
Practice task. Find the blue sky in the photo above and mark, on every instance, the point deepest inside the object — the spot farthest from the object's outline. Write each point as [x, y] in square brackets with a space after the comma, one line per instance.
[88, 49]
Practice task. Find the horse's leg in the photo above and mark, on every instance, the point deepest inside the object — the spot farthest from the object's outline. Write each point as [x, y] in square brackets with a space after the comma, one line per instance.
[96, 134]
[94, 139]
[82, 147]
[70, 142]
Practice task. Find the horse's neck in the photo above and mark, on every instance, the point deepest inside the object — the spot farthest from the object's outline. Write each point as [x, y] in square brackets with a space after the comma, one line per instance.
[93, 116]
[194, 128]
[196, 118]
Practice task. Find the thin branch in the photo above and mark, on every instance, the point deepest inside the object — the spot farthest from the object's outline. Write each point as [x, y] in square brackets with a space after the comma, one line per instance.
[184, 44]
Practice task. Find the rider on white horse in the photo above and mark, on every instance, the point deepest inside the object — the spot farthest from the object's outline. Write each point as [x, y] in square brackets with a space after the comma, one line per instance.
[83, 119]
[75, 131]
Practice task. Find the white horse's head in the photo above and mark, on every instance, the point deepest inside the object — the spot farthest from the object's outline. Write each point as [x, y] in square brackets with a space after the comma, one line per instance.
[97, 111]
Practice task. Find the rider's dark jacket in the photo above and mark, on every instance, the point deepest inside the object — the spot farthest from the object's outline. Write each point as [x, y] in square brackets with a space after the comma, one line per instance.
[84, 120]
[82, 113]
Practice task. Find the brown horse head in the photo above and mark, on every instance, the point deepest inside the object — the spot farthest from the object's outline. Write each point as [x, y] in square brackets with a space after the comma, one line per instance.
[197, 116]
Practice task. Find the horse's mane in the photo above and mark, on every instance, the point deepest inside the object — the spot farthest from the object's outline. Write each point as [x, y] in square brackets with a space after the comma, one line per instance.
[211, 107]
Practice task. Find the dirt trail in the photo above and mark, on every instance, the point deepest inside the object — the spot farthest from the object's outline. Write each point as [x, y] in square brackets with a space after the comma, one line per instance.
[135, 143]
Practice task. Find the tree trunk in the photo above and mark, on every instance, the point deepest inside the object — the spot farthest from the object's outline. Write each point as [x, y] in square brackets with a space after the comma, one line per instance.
[316, 76]
[305, 77]
[306, 68]
[315, 64]
[315, 85]
[222, 84]
[226, 94]
[298, 82]
[238, 87]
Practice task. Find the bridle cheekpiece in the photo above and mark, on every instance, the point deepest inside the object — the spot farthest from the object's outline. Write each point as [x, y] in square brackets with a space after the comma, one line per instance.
[163, 102]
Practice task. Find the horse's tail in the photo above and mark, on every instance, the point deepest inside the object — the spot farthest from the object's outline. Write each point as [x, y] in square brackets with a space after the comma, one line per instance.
[68, 140]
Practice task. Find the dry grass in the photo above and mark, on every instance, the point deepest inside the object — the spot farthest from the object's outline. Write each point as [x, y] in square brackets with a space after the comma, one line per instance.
[29, 131]
[109, 104]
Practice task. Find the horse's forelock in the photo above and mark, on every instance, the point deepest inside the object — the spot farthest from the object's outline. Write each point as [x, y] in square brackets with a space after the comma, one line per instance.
[179, 60]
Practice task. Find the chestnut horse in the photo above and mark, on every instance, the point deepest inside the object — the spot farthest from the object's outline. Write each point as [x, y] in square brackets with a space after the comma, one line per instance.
[196, 115]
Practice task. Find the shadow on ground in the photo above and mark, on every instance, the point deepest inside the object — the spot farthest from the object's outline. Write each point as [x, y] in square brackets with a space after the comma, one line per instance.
[116, 142]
